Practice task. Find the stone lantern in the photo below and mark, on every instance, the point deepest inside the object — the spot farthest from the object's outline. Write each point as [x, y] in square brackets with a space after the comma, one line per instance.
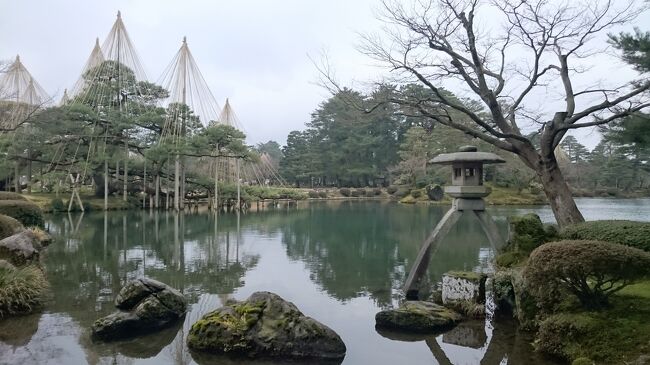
[467, 191]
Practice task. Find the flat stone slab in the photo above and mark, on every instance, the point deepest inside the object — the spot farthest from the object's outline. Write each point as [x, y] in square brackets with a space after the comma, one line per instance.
[418, 316]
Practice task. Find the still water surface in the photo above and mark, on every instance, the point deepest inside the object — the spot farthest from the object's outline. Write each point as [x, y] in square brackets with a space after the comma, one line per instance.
[339, 262]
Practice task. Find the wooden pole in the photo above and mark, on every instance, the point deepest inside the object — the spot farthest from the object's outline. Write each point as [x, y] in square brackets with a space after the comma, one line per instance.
[106, 177]
[238, 186]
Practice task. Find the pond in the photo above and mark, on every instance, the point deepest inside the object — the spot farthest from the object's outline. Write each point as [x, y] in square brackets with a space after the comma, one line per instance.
[340, 262]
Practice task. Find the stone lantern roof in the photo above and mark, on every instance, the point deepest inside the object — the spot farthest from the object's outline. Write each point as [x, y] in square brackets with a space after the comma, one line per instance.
[467, 154]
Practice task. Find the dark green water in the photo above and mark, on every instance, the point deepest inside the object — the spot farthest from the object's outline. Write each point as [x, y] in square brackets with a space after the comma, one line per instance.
[339, 262]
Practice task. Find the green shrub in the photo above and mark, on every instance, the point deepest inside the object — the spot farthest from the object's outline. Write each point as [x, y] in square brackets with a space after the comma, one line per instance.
[510, 258]
[313, 194]
[391, 189]
[345, 192]
[511, 294]
[558, 334]
[628, 233]
[355, 193]
[590, 270]
[9, 226]
[376, 191]
[583, 361]
[21, 290]
[361, 192]
[435, 192]
[27, 213]
[58, 205]
[416, 193]
[8, 195]
[526, 233]
[322, 194]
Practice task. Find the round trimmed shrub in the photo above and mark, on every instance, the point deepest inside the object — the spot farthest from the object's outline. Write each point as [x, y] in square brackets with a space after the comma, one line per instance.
[8, 195]
[27, 213]
[361, 192]
[391, 189]
[58, 205]
[9, 226]
[526, 232]
[322, 194]
[355, 193]
[416, 193]
[590, 270]
[313, 194]
[628, 233]
[345, 192]
[401, 192]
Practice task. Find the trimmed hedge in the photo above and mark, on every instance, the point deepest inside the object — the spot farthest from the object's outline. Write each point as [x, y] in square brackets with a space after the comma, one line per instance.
[9, 226]
[416, 193]
[8, 195]
[628, 233]
[313, 194]
[361, 192]
[322, 194]
[345, 192]
[27, 213]
[590, 270]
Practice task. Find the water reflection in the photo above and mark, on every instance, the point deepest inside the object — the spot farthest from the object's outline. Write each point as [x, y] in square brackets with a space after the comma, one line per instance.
[339, 262]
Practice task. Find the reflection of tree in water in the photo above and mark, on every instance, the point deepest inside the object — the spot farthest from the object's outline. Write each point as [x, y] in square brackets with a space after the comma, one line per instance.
[352, 250]
[87, 266]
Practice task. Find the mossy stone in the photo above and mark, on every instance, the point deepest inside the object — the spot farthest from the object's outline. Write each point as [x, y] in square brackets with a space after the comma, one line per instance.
[417, 316]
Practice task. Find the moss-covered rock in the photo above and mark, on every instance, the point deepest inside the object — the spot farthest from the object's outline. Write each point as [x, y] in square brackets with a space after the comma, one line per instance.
[9, 226]
[27, 213]
[512, 295]
[264, 325]
[146, 305]
[417, 316]
[628, 233]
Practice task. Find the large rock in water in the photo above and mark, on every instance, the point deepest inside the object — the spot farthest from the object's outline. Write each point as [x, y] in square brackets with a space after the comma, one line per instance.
[417, 316]
[264, 325]
[145, 305]
[21, 248]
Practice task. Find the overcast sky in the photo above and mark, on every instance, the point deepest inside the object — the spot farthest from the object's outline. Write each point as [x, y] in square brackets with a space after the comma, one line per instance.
[253, 52]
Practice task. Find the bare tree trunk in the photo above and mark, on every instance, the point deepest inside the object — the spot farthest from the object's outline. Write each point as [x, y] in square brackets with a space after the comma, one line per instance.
[559, 194]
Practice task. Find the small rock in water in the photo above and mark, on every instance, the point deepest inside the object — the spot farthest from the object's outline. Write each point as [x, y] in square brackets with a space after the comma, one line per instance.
[264, 325]
[145, 305]
[417, 316]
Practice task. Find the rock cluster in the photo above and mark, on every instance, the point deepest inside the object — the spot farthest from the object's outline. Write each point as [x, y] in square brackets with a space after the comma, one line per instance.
[264, 325]
[145, 305]
[24, 247]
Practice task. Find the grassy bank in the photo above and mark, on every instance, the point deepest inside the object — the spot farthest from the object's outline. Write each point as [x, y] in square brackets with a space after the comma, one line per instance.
[46, 202]
[499, 196]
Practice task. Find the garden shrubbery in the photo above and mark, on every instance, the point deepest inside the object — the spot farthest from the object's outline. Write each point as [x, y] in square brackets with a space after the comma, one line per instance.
[416, 193]
[322, 194]
[355, 193]
[57, 205]
[590, 270]
[629, 233]
[527, 232]
[345, 192]
[8, 195]
[376, 191]
[27, 213]
[361, 192]
[21, 289]
[391, 189]
[313, 194]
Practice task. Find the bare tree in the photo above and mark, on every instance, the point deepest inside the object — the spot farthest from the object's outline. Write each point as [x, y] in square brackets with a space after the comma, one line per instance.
[540, 48]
